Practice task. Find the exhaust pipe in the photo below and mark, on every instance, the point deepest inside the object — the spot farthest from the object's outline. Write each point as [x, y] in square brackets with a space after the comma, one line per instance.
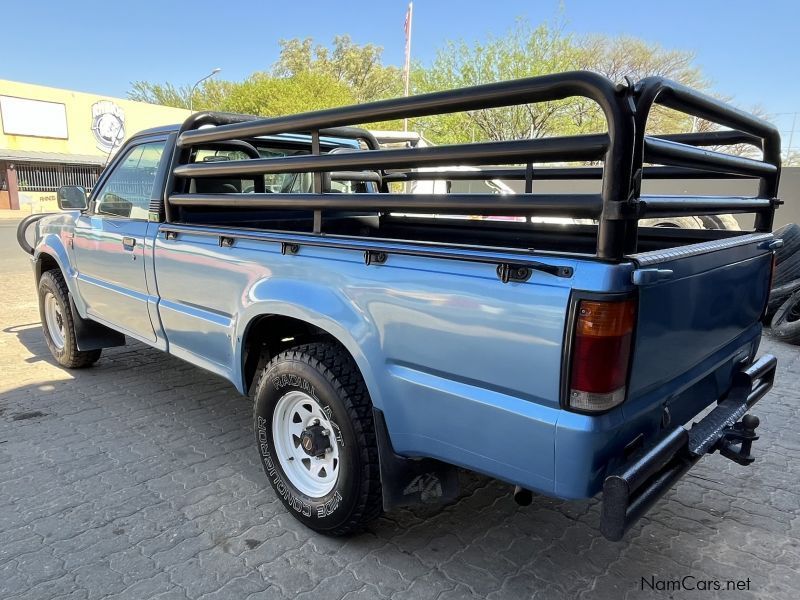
[522, 496]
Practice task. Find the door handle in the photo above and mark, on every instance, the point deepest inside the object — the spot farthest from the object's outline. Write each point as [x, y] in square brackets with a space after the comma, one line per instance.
[128, 243]
[771, 244]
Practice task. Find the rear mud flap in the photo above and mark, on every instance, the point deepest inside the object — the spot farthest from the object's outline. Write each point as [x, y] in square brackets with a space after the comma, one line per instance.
[411, 481]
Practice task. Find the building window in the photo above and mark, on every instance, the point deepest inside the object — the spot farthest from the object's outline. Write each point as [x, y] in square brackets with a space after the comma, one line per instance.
[48, 177]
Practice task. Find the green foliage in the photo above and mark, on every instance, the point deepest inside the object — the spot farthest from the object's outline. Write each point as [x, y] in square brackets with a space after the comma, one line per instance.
[357, 67]
[624, 57]
[210, 95]
[522, 52]
[265, 95]
[159, 93]
[528, 52]
[310, 76]
[305, 77]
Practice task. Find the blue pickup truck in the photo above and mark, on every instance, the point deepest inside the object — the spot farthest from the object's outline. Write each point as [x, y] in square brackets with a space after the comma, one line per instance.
[384, 347]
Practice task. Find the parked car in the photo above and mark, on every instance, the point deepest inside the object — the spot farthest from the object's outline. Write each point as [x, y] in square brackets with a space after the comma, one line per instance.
[383, 351]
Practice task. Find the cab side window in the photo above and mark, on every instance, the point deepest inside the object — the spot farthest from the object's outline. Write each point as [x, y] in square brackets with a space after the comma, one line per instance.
[127, 191]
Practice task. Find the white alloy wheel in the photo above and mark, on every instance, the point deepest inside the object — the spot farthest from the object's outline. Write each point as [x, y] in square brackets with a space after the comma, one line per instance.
[305, 444]
[54, 320]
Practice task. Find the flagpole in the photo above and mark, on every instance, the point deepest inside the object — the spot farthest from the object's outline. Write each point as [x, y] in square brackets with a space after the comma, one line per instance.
[407, 65]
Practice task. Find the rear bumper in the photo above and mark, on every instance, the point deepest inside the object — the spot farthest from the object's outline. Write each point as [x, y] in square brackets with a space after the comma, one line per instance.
[639, 482]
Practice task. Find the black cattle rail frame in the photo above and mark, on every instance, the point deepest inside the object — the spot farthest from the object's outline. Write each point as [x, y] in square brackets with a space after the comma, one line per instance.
[624, 151]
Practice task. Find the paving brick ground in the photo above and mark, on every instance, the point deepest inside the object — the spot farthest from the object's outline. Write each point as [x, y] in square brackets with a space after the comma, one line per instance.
[139, 479]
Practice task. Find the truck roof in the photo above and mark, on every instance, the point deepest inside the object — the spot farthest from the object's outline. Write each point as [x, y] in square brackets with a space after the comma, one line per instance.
[172, 128]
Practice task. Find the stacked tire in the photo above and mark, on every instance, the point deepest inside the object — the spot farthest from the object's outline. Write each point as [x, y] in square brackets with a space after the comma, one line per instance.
[784, 301]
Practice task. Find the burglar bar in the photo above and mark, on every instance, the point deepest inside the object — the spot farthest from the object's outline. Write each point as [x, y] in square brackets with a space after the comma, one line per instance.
[681, 155]
[588, 147]
[623, 151]
[676, 206]
[550, 174]
[580, 205]
[493, 95]
[658, 90]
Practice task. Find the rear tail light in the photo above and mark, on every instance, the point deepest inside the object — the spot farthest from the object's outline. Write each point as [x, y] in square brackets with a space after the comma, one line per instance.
[601, 351]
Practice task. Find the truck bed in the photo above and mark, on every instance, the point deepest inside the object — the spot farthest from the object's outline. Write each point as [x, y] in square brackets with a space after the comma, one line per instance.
[572, 238]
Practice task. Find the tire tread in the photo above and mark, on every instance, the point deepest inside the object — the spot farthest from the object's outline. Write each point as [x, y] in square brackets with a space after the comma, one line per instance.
[338, 367]
[72, 358]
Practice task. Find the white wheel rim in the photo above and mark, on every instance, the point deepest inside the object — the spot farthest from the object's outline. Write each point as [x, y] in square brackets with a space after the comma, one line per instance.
[54, 320]
[313, 476]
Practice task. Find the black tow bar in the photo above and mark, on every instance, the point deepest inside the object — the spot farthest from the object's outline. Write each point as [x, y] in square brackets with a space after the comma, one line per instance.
[737, 441]
[633, 488]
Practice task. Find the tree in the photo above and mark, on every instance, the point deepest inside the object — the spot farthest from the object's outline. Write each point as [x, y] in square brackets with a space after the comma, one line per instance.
[210, 95]
[624, 57]
[791, 158]
[527, 52]
[305, 77]
[262, 94]
[309, 76]
[522, 52]
[159, 93]
[358, 67]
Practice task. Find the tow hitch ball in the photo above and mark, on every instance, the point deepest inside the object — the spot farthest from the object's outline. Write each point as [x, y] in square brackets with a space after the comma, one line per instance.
[737, 441]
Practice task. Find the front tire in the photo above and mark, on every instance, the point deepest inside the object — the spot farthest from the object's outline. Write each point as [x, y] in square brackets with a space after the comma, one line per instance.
[58, 325]
[316, 437]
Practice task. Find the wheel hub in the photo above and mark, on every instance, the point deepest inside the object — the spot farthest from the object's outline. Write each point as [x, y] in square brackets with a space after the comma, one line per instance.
[315, 440]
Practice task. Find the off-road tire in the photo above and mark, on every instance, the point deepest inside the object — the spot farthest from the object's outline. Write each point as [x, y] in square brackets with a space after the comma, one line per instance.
[787, 257]
[52, 282]
[681, 222]
[778, 295]
[328, 374]
[785, 324]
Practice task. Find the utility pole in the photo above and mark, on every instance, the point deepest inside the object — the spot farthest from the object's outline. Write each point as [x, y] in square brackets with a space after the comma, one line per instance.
[791, 136]
[407, 64]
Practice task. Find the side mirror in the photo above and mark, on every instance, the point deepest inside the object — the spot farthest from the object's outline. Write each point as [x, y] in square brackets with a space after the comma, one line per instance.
[72, 197]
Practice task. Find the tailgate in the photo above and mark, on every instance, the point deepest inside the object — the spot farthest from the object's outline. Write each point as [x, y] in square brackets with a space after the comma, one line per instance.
[699, 314]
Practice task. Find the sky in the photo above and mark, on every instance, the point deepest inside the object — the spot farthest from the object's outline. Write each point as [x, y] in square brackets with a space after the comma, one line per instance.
[749, 50]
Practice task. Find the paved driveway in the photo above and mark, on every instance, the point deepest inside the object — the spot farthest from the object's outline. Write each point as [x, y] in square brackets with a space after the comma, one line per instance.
[139, 479]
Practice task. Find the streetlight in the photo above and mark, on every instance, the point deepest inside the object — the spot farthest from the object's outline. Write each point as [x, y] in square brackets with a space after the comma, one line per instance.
[198, 82]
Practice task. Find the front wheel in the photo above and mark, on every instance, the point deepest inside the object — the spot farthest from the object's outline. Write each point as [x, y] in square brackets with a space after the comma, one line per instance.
[315, 433]
[58, 325]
